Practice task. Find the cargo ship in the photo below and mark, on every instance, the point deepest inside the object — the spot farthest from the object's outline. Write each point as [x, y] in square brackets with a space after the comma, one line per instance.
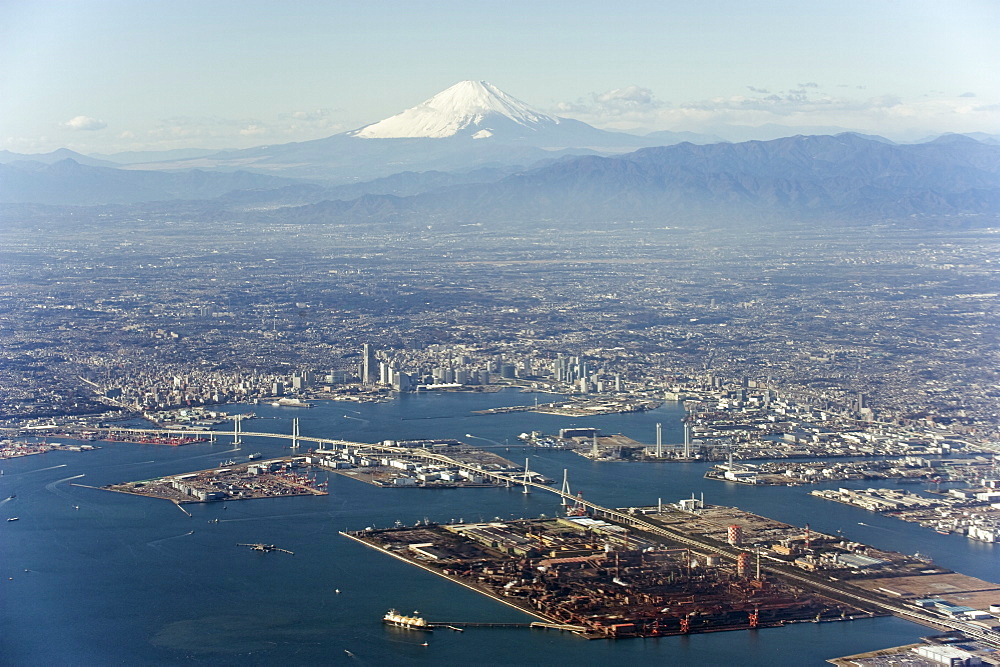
[393, 617]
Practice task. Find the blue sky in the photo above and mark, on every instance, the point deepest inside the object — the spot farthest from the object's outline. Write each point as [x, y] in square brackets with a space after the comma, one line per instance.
[105, 76]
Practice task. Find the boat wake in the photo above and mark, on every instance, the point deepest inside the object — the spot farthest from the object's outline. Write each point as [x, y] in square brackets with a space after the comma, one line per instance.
[61, 465]
[272, 517]
[51, 486]
[214, 454]
[156, 543]
[357, 419]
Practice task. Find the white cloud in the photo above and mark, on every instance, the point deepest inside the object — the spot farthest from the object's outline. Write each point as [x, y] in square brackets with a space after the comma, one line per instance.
[806, 105]
[617, 102]
[322, 122]
[84, 123]
[253, 130]
[220, 132]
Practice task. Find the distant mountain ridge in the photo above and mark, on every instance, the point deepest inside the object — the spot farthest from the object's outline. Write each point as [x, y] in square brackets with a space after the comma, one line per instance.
[67, 182]
[846, 176]
[6, 157]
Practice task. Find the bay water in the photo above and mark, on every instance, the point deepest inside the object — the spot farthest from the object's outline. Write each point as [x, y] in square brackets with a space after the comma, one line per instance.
[93, 577]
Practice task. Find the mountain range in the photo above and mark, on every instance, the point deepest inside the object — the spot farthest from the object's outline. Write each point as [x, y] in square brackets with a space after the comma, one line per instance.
[473, 153]
[845, 177]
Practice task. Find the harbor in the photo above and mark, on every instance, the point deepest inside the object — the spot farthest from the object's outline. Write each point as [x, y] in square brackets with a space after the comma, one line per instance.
[301, 619]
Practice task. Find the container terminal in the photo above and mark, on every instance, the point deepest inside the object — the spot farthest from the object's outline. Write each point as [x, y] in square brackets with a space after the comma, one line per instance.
[272, 478]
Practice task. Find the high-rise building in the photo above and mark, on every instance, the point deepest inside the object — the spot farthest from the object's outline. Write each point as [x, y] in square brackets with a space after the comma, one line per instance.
[401, 381]
[369, 366]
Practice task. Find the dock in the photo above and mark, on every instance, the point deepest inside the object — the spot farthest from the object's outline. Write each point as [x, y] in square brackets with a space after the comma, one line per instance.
[459, 626]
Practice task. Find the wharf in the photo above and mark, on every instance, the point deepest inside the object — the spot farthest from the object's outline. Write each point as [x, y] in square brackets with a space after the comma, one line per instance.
[578, 407]
[274, 478]
[457, 625]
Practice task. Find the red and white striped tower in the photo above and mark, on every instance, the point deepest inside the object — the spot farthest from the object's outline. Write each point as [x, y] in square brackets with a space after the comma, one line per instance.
[742, 564]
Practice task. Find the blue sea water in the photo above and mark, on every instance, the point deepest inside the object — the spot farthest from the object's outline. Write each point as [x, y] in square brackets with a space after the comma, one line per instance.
[93, 577]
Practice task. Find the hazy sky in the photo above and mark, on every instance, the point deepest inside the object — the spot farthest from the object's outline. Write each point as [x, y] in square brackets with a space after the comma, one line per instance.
[111, 75]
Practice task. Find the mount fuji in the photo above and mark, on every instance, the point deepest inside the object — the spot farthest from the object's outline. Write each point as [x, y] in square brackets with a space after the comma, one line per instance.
[480, 110]
[470, 125]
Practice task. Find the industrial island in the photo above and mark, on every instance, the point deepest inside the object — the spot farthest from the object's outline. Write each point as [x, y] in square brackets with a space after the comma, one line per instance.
[394, 464]
[683, 568]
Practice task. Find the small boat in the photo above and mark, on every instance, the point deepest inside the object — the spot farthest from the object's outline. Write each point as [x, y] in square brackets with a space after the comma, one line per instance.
[13, 518]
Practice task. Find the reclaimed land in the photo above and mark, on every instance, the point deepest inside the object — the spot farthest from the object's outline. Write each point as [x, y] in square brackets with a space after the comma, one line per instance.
[274, 478]
[603, 579]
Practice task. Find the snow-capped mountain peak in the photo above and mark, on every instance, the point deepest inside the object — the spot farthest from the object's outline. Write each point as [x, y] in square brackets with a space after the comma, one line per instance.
[476, 106]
